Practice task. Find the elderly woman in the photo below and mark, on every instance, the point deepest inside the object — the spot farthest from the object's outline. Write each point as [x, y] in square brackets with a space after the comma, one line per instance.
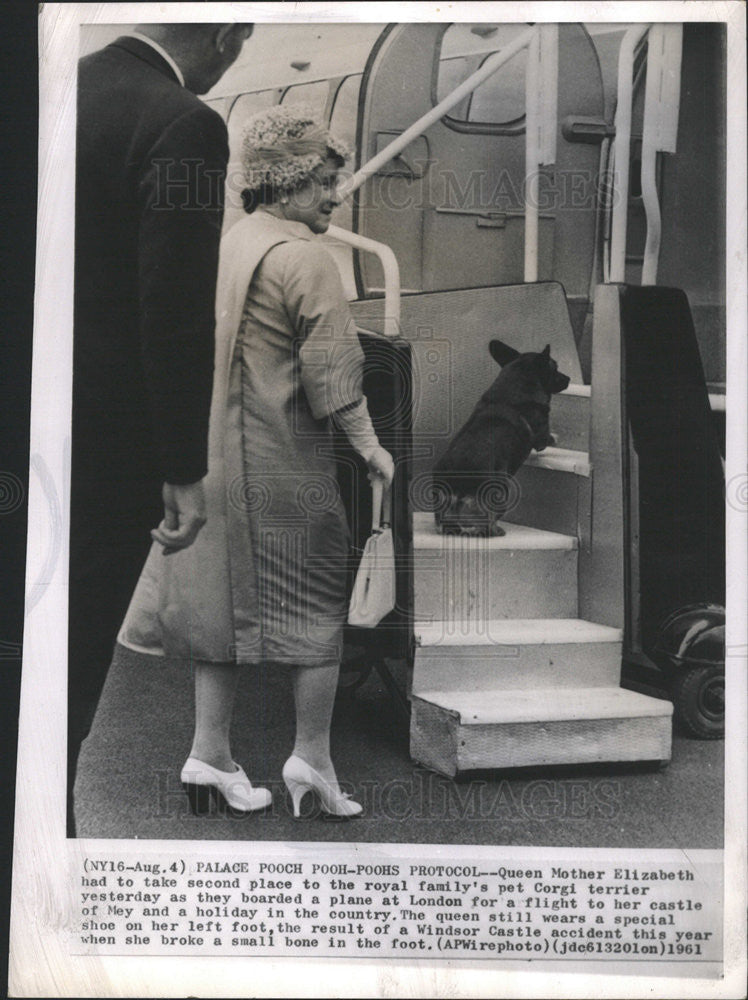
[265, 581]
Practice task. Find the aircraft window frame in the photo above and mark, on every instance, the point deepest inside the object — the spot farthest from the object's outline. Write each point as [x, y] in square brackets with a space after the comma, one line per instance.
[514, 126]
[343, 216]
[339, 83]
[345, 212]
[463, 108]
[326, 103]
[221, 105]
[234, 101]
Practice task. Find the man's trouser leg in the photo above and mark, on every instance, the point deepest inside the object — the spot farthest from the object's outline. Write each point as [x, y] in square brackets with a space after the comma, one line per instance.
[108, 547]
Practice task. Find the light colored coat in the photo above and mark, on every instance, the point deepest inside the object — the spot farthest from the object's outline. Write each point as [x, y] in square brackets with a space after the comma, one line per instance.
[203, 603]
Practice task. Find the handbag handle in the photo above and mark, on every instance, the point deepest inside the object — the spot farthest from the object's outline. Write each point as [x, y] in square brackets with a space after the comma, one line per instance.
[381, 505]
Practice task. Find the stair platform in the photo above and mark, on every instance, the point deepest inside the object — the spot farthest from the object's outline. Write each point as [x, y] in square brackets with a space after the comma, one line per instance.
[541, 497]
[518, 536]
[528, 573]
[514, 631]
[508, 655]
[455, 731]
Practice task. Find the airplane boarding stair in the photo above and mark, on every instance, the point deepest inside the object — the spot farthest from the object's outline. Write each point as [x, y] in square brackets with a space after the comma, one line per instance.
[518, 639]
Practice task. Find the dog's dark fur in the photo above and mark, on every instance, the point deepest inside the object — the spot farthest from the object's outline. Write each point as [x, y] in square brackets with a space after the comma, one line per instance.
[473, 480]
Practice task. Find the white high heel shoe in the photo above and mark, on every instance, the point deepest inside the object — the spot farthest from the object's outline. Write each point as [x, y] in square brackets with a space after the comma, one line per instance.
[301, 778]
[228, 789]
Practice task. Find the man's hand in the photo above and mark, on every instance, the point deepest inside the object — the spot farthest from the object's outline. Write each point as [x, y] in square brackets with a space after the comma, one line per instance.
[184, 516]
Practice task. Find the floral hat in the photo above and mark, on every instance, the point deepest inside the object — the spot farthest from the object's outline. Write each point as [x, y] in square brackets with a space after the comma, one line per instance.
[282, 146]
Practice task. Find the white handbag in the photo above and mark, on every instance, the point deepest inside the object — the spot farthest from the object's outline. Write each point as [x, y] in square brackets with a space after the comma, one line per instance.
[373, 593]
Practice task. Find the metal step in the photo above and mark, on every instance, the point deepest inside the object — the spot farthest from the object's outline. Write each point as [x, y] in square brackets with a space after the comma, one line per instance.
[455, 731]
[527, 573]
[518, 654]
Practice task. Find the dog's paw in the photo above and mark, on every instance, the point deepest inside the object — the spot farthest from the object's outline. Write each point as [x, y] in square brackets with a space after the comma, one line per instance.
[446, 528]
[473, 529]
[542, 443]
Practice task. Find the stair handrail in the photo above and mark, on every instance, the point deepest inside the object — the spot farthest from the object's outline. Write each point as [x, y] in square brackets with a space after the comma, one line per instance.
[617, 271]
[420, 125]
[390, 268]
[661, 109]
[541, 113]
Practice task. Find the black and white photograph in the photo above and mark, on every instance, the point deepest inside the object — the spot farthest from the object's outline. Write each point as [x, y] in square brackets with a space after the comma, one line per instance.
[386, 564]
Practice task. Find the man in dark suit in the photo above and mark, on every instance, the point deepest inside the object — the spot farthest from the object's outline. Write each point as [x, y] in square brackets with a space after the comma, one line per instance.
[151, 165]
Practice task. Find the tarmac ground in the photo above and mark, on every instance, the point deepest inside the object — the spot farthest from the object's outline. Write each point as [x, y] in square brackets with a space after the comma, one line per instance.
[128, 778]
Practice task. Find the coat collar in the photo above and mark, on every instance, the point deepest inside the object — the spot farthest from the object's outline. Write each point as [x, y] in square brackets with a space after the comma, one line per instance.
[163, 53]
[147, 53]
[289, 228]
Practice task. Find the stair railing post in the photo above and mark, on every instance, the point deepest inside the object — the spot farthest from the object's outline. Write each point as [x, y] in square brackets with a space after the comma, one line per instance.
[532, 156]
[391, 274]
[622, 150]
[541, 100]
[661, 108]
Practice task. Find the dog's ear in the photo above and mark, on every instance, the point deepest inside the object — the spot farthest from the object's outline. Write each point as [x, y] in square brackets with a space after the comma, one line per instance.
[542, 358]
[502, 353]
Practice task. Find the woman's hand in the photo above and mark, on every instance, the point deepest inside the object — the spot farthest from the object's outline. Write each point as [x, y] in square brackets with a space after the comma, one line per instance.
[381, 466]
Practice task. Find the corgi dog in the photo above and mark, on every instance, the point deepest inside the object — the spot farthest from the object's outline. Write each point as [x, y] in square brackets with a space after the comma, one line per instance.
[473, 478]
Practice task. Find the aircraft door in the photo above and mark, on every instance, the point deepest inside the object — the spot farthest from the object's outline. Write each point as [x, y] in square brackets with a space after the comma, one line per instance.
[452, 205]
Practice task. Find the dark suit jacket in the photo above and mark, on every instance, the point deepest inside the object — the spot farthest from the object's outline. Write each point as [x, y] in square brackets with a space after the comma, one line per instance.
[151, 163]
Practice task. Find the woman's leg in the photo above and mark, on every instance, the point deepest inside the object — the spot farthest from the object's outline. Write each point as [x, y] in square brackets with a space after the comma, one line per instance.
[314, 695]
[215, 690]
